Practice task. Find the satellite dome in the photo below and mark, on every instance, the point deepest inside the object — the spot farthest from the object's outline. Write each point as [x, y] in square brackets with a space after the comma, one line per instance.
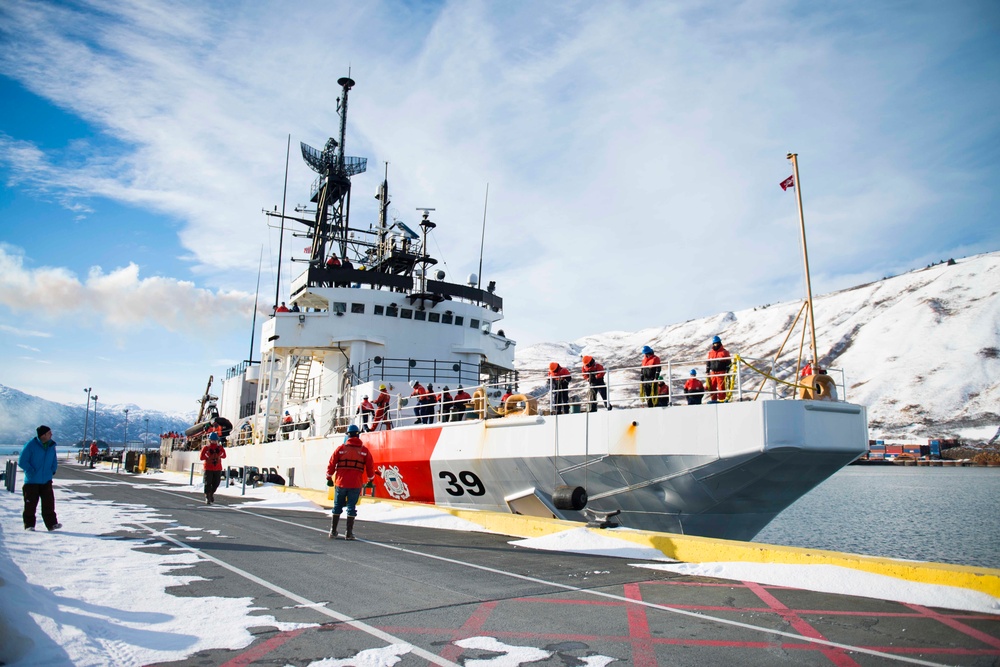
[473, 280]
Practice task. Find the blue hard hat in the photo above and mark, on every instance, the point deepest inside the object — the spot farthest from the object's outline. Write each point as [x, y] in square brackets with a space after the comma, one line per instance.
[647, 350]
[716, 340]
[213, 436]
[352, 429]
[694, 372]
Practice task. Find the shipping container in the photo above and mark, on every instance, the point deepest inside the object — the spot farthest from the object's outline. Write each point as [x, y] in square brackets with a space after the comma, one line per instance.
[934, 442]
[876, 456]
[876, 448]
[880, 442]
[893, 449]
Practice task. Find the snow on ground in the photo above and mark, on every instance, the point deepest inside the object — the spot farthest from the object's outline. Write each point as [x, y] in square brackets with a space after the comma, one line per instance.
[78, 588]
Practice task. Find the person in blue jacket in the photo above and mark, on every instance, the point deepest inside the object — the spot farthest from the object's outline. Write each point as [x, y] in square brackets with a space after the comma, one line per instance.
[38, 460]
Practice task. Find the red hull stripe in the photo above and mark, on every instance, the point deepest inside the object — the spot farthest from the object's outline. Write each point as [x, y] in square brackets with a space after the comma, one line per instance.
[411, 452]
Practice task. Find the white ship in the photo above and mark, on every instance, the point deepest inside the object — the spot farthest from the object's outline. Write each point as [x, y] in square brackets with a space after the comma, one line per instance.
[720, 469]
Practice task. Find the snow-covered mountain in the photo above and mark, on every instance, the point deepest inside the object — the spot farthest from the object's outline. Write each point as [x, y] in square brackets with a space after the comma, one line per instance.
[921, 350]
[20, 413]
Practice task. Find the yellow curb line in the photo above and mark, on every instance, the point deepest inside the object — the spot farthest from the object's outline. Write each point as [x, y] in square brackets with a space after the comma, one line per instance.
[692, 549]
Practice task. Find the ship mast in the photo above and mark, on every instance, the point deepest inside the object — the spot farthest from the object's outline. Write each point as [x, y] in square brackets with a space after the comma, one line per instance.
[805, 254]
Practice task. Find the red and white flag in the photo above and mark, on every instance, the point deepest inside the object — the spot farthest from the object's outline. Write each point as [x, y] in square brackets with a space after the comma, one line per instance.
[788, 182]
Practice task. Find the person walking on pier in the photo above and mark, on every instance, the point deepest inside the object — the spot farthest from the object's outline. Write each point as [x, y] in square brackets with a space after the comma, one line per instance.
[38, 461]
[93, 453]
[211, 456]
[350, 468]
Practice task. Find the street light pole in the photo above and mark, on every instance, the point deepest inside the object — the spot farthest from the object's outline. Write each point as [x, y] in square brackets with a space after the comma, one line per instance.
[95, 417]
[125, 444]
[86, 417]
[145, 441]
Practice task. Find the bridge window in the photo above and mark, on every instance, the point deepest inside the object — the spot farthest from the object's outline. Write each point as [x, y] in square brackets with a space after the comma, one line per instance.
[391, 311]
[459, 320]
[434, 317]
[420, 315]
[406, 314]
[379, 310]
[446, 318]
[358, 308]
[473, 324]
[339, 307]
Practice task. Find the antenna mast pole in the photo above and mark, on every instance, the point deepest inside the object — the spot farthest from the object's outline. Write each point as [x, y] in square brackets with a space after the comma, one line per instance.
[281, 234]
[253, 325]
[805, 255]
[482, 239]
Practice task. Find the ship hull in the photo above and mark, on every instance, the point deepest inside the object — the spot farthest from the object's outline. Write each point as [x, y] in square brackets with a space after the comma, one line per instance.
[717, 470]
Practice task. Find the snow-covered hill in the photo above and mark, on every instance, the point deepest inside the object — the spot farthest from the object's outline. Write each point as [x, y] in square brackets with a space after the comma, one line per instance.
[20, 413]
[921, 350]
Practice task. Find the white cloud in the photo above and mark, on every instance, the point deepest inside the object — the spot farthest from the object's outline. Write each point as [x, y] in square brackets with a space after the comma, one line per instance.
[119, 299]
[23, 332]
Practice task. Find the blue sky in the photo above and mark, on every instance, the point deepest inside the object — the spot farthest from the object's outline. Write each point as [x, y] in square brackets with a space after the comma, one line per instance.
[633, 153]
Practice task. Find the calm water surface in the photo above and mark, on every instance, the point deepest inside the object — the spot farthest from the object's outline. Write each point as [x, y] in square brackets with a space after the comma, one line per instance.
[947, 515]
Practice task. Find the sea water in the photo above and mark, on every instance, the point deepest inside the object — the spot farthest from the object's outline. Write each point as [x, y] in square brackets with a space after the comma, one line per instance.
[945, 515]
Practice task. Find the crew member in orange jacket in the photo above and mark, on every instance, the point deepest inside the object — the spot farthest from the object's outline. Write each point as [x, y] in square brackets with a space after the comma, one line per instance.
[420, 394]
[93, 453]
[366, 409]
[718, 365]
[648, 374]
[460, 407]
[593, 373]
[382, 409]
[559, 378]
[349, 469]
[694, 389]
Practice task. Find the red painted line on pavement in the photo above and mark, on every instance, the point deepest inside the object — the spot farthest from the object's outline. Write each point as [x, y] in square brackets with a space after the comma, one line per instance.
[471, 628]
[837, 656]
[258, 651]
[643, 652]
[989, 640]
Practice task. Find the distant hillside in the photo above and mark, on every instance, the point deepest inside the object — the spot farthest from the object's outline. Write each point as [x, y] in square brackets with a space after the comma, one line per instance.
[921, 350]
[20, 413]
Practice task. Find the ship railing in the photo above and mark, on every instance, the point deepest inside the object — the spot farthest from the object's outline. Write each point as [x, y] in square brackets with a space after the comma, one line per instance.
[748, 379]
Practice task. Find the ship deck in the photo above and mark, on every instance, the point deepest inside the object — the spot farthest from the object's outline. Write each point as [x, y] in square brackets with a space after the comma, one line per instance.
[455, 597]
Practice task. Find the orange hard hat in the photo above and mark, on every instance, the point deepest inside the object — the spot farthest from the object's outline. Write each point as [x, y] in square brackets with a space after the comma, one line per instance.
[553, 366]
[587, 360]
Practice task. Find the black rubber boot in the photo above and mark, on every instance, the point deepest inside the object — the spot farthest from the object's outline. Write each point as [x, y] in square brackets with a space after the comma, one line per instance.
[350, 528]
[333, 527]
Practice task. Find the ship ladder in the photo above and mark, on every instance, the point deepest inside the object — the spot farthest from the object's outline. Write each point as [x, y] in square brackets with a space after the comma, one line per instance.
[300, 378]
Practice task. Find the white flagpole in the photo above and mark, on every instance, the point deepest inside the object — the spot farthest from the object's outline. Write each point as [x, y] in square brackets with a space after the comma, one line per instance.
[805, 257]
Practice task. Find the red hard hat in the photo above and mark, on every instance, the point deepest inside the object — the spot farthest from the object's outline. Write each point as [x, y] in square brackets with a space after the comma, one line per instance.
[587, 360]
[553, 366]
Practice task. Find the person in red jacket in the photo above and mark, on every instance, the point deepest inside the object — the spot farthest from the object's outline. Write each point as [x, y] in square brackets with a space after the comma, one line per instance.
[648, 374]
[718, 365]
[694, 389]
[366, 410]
[430, 401]
[93, 453]
[211, 456]
[559, 378]
[460, 406]
[593, 373]
[447, 404]
[350, 468]
[382, 409]
[420, 394]
[662, 393]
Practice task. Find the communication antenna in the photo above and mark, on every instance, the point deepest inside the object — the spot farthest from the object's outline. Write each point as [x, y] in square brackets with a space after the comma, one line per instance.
[482, 239]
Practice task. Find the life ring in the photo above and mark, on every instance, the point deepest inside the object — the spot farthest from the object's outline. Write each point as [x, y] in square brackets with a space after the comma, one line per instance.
[819, 387]
[510, 407]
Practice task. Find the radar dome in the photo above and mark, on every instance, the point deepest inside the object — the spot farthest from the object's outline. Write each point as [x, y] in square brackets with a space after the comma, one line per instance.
[473, 280]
